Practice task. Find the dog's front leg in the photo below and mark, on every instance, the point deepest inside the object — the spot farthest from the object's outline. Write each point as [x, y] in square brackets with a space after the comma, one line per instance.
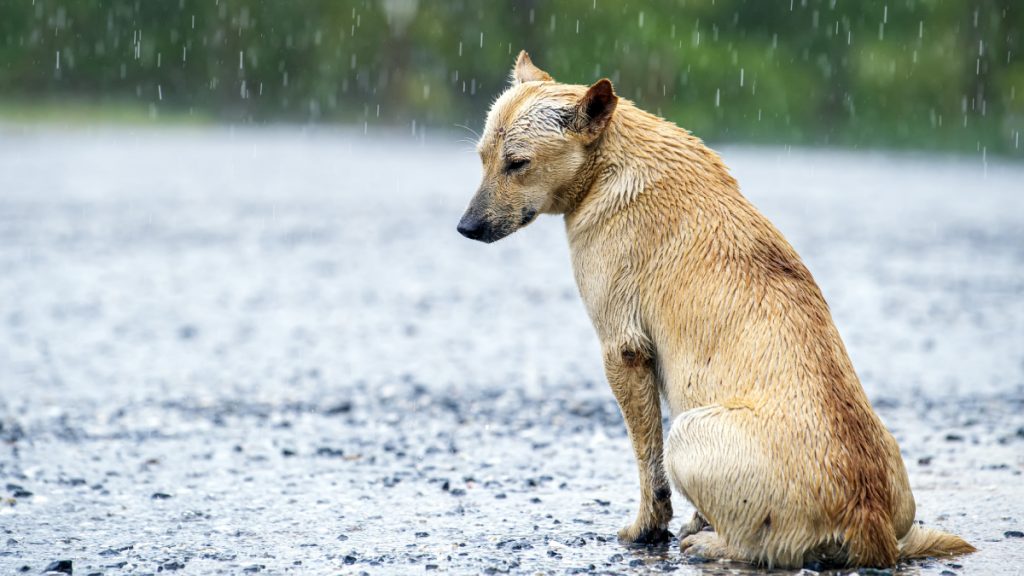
[630, 371]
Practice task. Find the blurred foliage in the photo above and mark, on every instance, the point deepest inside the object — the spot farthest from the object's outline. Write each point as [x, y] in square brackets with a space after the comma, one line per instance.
[911, 73]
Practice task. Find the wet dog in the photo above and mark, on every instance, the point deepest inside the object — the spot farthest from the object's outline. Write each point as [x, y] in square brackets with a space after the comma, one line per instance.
[698, 299]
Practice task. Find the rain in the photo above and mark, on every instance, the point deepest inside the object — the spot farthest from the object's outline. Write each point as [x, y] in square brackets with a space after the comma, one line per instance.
[239, 332]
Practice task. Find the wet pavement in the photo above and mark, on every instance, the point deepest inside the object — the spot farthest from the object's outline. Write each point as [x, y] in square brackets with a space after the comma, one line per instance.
[268, 351]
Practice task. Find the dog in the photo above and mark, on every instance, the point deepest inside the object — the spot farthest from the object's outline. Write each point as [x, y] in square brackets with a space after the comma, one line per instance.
[698, 300]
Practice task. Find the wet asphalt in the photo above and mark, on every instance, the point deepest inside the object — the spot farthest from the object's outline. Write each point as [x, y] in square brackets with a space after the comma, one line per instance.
[268, 351]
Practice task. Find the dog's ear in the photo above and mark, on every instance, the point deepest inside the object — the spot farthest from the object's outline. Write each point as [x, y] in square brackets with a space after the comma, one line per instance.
[525, 71]
[594, 110]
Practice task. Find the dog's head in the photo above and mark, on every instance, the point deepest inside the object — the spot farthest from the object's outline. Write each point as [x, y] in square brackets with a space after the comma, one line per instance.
[539, 139]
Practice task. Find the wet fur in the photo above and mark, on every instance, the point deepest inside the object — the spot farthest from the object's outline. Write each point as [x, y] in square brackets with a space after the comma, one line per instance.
[698, 299]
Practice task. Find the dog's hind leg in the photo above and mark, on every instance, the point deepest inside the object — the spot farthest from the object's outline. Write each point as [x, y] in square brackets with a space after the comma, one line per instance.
[715, 457]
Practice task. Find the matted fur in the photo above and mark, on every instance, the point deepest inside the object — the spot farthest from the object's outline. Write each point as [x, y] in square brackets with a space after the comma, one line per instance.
[699, 300]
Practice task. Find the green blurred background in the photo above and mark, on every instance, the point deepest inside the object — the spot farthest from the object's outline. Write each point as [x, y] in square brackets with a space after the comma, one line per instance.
[936, 75]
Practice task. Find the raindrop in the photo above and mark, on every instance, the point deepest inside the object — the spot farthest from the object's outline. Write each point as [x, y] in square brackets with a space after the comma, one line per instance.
[58, 59]
[184, 50]
[481, 39]
[741, 77]
[641, 19]
[239, 59]
[193, 21]
[718, 97]
[159, 92]
[158, 55]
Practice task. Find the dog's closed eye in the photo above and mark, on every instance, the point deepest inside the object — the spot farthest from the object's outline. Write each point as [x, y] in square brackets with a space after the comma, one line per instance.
[516, 165]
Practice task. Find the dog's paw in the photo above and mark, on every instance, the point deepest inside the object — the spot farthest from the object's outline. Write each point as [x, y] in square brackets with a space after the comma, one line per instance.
[704, 545]
[644, 535]
[696, 524]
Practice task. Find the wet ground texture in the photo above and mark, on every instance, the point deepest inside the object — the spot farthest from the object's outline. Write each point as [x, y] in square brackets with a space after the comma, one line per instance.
[270, 352]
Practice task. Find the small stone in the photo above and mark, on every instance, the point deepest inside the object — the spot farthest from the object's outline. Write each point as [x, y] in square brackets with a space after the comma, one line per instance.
[61, 566]
[253, 568]
[457, 492]
[576, 542]
[172, 565]
[615, 558]
[636, 563]
[602, 502]
[343, 407]
[924, 461]
[954, 438]
[1013, 534]
[160, 496]
[422, 534]
[342, 537]
[350, 559]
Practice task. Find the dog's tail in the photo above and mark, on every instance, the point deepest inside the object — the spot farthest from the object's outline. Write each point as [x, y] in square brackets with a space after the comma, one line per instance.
[921, 542]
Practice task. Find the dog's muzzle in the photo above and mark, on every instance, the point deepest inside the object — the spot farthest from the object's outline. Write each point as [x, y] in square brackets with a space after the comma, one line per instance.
[476, 228]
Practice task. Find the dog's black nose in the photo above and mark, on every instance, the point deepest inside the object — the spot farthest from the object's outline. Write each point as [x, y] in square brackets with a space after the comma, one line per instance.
[472, 228]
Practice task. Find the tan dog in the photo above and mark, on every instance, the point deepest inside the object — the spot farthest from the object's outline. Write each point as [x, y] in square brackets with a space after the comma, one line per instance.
[697, 298]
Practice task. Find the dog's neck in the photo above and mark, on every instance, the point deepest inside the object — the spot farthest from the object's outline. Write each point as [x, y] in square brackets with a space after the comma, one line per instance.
[640, 153]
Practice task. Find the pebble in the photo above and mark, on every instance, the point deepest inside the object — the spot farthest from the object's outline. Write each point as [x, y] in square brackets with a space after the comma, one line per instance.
[60, 566]
[1013, 534]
